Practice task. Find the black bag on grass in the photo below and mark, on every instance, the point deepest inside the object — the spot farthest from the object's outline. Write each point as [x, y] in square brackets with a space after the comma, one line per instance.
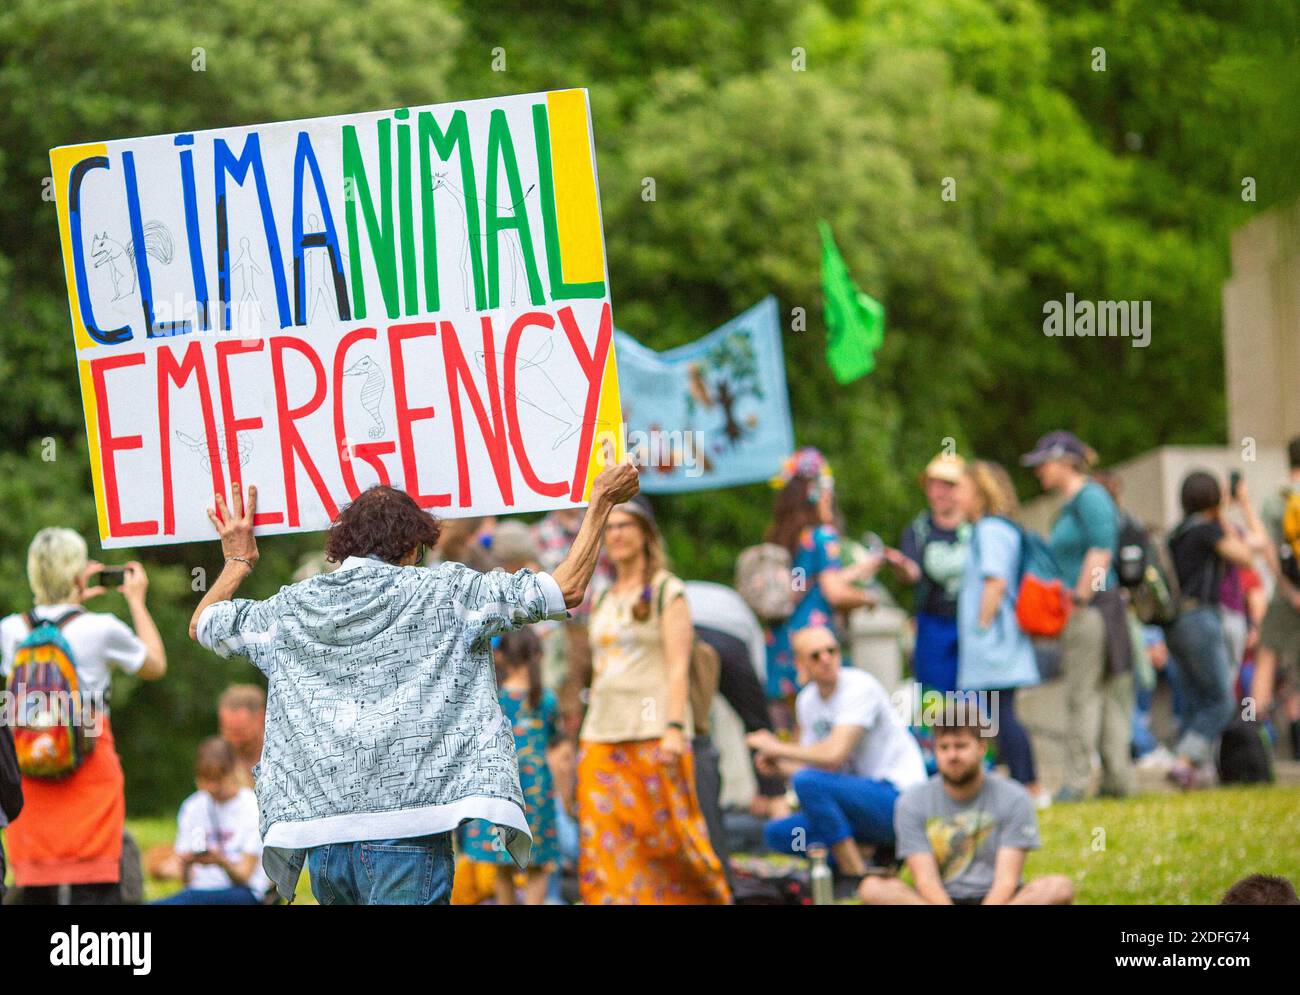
[1244, 755]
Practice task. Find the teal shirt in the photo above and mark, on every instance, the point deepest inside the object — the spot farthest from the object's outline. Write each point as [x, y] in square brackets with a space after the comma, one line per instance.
[1089, 520]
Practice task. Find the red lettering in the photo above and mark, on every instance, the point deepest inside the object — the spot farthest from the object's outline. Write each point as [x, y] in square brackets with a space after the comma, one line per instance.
[233, 426]
[291, 443]
[179, 374]
[368, 451]
[110, 444]
[494, 438]
[593, 367]
[397, 334]
[538, 486]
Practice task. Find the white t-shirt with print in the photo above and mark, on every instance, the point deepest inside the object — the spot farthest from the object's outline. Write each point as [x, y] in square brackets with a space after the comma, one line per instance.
[99, 642]
[229, 828]
[886, 751]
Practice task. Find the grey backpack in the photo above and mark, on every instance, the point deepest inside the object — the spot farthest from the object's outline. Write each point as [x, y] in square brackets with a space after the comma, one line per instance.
[765, 579]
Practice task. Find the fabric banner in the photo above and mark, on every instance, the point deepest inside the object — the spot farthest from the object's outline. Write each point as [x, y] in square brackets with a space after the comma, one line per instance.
[713, 413]
[416, 297]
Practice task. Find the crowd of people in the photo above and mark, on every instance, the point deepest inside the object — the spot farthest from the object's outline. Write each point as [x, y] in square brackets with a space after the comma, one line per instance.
[482, 710]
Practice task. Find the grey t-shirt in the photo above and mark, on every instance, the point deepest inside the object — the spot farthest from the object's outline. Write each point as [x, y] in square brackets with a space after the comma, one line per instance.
[965, 838]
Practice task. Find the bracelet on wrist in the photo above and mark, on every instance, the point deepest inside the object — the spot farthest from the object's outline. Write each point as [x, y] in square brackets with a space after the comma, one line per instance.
[241, 559]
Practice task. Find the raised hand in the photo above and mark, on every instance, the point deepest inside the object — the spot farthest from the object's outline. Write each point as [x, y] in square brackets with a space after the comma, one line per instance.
[617, 483]
[235, 525]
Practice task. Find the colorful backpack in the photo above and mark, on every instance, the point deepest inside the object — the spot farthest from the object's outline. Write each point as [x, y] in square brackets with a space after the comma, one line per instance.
[49, 736]
[765, 579]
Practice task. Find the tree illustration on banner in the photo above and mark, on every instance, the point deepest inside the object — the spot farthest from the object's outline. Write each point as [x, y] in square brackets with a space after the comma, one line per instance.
[855, 321]
[728, 374]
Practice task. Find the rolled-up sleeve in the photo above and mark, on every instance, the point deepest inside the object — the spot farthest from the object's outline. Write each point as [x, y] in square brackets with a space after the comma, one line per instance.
[241, 627]
[503, 601]
[555, 606]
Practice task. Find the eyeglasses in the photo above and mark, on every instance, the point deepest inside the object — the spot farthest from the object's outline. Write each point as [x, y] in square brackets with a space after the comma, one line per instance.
[616, 526]
[830, 651]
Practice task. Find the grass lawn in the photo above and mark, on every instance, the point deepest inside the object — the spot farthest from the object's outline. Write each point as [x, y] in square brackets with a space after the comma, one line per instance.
[1163, 849]
[1170, 849]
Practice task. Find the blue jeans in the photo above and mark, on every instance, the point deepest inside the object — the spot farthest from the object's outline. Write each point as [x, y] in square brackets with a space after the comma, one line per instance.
[413, 871]
[1144, 740]
[211, 896]
[1205, 675]
[934, 658]
[833, 808]
[1014, 748]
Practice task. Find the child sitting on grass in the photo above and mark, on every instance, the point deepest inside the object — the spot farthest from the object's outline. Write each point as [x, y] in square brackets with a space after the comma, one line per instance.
[532, 711]
[217, 839]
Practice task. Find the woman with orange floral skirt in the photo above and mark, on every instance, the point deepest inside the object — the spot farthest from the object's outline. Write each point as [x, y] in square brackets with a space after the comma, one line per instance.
[643, 839]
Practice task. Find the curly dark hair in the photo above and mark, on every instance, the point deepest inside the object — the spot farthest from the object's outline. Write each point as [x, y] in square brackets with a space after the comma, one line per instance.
[383, 522]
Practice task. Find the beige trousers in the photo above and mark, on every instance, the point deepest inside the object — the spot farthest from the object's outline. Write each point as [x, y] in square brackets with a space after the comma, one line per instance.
[1099, 708]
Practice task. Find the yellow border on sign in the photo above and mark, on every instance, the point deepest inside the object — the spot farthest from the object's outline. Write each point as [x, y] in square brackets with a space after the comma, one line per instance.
[609, 422]
[577, 211]
[62, 161]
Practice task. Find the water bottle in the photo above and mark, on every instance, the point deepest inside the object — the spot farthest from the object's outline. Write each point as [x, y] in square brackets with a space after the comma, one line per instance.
[822, 891]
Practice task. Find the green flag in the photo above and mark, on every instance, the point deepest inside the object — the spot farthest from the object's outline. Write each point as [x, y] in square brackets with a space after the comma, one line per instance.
[855, 322]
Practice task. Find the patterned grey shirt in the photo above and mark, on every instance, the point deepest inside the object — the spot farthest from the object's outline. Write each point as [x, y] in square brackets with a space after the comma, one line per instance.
[382, 719]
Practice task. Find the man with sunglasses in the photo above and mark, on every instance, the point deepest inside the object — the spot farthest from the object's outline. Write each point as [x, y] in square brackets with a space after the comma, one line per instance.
[853, 759]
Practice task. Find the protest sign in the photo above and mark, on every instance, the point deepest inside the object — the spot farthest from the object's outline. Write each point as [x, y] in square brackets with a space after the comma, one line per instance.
[712, 413]
[416, 297]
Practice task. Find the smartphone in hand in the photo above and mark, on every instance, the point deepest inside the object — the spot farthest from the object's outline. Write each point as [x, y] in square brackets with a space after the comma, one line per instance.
[110, 577]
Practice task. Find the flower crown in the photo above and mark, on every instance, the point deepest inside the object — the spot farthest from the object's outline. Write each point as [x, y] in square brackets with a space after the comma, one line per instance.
[809, 463]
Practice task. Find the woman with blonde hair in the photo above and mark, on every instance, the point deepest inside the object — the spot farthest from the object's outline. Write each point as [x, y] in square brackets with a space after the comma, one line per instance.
[643, 839]
[994, 655]
[69, 836]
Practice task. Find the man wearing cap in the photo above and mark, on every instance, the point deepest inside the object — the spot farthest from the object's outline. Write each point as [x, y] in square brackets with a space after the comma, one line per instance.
[1095, 643]
[932, 556]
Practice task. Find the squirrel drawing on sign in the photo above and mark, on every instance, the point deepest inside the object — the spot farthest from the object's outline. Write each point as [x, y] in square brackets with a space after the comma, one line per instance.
[120, 259]
[200, 446]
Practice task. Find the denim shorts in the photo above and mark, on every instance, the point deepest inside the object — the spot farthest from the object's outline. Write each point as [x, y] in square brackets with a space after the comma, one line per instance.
[413, 871]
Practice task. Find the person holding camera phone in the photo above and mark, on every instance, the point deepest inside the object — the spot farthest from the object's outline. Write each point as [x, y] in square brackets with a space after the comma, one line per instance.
[66, 845]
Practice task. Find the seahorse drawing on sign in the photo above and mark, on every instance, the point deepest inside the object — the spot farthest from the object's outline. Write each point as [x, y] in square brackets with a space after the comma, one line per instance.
[372, 390]
[120, 258]
[199, 445]
[509, 236]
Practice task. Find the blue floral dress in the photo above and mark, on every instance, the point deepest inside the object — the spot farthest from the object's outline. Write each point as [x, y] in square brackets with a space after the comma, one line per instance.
[819, 549]
[534, 731]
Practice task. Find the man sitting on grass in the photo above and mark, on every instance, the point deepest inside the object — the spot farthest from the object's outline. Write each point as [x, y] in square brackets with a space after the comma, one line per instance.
[853, 758]
[964, 833]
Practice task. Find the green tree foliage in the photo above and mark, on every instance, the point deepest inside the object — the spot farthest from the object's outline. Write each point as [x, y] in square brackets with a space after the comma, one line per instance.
[970, 158]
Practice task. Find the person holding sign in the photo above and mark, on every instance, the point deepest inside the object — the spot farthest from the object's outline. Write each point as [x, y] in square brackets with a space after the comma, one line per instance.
[383, 730]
